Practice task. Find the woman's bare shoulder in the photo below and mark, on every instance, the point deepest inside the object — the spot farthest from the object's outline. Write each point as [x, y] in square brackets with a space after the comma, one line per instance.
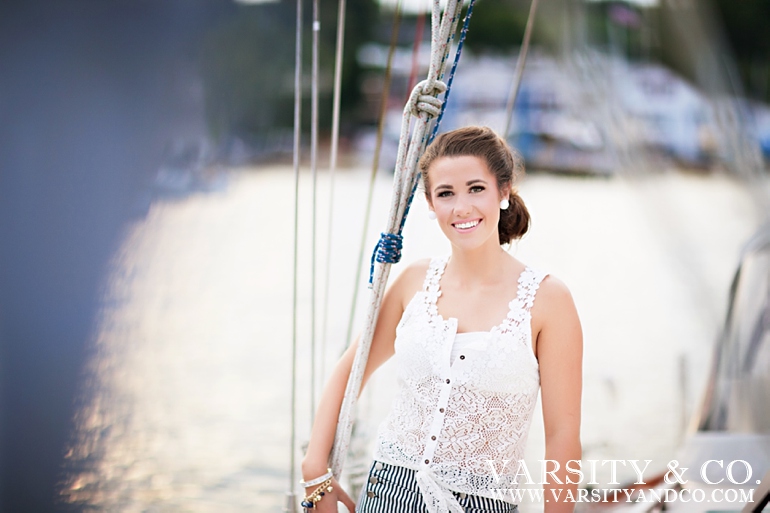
[410, 280]
[552, 293]
[414, 274]
[417, 269]
[553, 300]
[553, 287]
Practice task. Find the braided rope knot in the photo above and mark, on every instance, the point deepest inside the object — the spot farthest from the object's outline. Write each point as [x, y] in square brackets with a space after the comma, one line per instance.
[424, 98]
[387, 251]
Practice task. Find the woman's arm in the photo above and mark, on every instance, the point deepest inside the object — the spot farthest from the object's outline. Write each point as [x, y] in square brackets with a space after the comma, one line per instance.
[316, 458]
[560, 355]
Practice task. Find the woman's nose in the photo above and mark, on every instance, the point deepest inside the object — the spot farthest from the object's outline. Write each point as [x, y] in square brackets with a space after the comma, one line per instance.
[462, 206]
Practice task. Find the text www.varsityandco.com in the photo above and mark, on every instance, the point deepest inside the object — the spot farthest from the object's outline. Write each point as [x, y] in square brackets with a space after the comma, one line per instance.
[577, 472]
[519, 495]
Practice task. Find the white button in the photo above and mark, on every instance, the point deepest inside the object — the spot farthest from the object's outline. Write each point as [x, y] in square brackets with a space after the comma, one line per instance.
[378, 466]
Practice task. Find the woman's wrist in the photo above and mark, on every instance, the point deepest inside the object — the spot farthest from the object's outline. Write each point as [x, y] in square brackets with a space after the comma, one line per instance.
[315, 496]
[313, 469]
[326, 476]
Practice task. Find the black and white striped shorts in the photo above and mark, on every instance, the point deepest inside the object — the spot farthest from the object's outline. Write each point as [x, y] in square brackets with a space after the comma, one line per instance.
[393, 489]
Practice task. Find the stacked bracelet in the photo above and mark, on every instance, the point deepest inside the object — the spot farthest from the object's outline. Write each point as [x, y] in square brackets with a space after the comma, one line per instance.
[318, 480]
[311, 500]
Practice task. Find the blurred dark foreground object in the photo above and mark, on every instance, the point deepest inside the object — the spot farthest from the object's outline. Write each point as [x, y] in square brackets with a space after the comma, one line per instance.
[89, 97]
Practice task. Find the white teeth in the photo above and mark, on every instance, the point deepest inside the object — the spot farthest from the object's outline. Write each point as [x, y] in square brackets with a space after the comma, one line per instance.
[469, 224]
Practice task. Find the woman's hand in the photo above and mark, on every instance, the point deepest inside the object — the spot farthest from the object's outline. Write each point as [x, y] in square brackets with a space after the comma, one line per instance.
[328, 503]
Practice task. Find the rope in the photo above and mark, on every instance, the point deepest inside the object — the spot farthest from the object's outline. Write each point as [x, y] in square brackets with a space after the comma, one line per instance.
[291, 500]
[520, 62]
[424, 106]
[387, 251]
[458, 53]
[435, 107]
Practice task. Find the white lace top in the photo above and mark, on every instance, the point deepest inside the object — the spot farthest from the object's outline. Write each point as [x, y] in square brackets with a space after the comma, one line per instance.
[451, 418]
[464, 341]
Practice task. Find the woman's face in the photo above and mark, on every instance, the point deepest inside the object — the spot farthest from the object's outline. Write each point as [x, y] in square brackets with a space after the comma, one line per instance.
[464, 195]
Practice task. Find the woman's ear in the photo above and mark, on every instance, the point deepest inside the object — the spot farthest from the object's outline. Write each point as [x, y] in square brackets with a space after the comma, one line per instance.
[505, 191]
[428, 200]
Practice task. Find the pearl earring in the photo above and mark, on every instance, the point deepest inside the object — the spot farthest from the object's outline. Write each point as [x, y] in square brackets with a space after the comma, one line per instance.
[504, 204]
[431, 215]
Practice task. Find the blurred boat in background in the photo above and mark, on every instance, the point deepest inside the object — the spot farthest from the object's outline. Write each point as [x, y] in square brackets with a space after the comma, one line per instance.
[726, 455]
[579, 113]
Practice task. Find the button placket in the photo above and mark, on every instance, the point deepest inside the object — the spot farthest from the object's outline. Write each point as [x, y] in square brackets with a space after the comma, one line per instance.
[438, 421]
[373, 480]
[445, 391]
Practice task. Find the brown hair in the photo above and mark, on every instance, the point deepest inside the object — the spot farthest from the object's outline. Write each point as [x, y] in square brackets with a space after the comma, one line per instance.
[504, 163]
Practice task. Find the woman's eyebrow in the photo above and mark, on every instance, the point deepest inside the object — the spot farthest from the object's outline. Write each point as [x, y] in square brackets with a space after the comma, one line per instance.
[443, 186]
[475, 180]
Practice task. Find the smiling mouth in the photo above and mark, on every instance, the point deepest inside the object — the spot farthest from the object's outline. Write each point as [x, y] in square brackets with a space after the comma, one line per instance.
[467, 225]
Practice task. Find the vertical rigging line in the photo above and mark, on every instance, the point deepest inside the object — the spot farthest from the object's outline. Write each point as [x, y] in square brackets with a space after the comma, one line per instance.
[416, 53]
[375, 166]
[332, 168]
[291, 498]
[314, 172]
[520, 62]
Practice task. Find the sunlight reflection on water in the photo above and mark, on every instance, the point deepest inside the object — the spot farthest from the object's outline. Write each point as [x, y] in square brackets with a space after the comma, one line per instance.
[187, 407]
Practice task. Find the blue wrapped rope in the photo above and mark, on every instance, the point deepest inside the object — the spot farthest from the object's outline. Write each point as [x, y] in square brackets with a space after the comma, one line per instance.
[387, 251]
[388, 248]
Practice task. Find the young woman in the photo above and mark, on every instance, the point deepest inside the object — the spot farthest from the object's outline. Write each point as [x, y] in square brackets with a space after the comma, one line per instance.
[475, 335]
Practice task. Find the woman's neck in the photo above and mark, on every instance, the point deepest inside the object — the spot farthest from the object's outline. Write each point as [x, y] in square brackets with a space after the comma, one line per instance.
[480, 265]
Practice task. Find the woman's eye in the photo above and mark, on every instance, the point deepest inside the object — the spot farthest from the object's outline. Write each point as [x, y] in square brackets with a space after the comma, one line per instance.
[477, 188]
[444, 194]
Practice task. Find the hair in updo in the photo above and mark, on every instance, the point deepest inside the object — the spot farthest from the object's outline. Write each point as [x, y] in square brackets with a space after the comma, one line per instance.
[502, 162]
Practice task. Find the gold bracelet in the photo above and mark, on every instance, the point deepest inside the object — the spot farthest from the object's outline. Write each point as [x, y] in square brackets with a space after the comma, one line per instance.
[310, 501]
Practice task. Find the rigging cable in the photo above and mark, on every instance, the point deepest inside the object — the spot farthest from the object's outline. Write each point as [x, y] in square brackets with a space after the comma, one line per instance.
[416, 50]
[520, 62]
[314, 172]
[332, 168]
[291, 499]
[375, 167]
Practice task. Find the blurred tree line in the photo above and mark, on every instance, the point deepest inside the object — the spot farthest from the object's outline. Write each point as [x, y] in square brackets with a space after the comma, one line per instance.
[247, 57]
[247, 63]
[747, 27]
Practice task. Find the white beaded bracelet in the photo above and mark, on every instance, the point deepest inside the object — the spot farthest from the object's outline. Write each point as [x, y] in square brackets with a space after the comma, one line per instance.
[317, 480]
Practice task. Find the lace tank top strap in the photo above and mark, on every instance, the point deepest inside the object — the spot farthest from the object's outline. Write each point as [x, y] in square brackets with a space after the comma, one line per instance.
[431, 286]
[433, 276]
[529, 282]
[519, 308]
